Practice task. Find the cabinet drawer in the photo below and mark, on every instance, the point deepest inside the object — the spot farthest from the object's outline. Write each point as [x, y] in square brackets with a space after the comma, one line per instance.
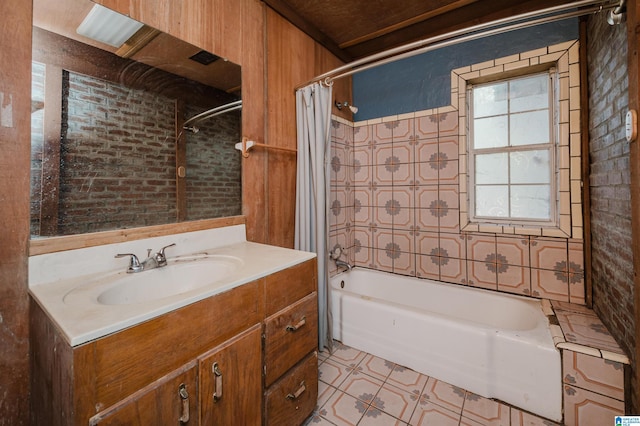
[285, 287]
[289, 336]
[292, 398]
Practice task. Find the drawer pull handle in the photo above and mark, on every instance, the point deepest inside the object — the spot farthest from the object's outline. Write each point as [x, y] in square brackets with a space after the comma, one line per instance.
[184, 396]
[300, 391]
[217, 390]
[297, 327]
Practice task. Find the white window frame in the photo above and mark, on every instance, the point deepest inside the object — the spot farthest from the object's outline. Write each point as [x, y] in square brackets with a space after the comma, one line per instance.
[551, 146]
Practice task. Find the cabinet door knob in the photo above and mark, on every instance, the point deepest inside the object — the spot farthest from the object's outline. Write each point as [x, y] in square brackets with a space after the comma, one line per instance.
[217, 390]
[184, 396]
[296, 394]
[296, 327]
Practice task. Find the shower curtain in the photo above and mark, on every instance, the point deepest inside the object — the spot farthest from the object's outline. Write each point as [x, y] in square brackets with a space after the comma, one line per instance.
[313, 116]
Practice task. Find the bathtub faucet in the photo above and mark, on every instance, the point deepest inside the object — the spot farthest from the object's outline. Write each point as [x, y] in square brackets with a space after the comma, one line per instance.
[343, 264]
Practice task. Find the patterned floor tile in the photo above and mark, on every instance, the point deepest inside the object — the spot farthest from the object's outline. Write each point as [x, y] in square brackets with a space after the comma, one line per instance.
[346, 355]
[375, 417]
[324, 392]
[407, 379]
[427, 414]
[485, 411]
[362, 387]
[444, 395]
[376, 367]
[520, 418]
[316, 419]
[333, 373]
[398, 403]
[344, 410]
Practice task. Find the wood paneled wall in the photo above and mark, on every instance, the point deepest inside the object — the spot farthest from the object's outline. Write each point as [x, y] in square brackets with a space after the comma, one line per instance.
[15, 107]
[275, 57]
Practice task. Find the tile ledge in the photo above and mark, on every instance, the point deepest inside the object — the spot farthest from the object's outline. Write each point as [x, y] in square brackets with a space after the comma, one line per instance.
[561, 342]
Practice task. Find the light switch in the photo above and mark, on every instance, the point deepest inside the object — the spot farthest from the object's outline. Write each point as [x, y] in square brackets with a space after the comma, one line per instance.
[631, 125]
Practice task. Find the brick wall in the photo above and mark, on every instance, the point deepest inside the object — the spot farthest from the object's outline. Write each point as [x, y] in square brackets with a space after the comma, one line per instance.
[117, 157]
[610, 189]
[37, 143]
[214, 167]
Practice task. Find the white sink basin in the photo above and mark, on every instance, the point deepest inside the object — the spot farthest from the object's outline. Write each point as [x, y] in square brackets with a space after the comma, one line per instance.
[177, 277]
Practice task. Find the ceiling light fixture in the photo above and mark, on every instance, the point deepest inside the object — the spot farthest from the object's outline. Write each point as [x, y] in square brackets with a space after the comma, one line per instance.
[107, 26]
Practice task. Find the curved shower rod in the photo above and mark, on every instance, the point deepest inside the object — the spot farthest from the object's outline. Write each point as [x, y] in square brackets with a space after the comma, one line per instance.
[231, 106]
[498, 26]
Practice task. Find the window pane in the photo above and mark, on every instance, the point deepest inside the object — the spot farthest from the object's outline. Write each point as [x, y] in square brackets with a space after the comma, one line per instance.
[490, 132]
[530, 128]
[530, 201]
[526, 94]
[490, 100]
[492, 201]
[492, 168]
[530, 167]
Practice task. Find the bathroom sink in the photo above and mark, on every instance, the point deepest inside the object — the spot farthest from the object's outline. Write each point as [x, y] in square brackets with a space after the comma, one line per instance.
[177, 277]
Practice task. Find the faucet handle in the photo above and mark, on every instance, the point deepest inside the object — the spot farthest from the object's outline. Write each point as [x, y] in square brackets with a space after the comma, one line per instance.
[134, 263]
[160, 256]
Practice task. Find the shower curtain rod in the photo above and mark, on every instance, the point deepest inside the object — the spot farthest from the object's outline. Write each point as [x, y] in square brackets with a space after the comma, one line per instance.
[463, 35]
[231, 106]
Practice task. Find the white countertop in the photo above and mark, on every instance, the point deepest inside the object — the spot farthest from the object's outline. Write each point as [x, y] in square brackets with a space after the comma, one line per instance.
[82, 319]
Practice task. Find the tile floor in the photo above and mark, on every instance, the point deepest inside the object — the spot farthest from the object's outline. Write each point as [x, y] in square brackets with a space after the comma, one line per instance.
[357, 388]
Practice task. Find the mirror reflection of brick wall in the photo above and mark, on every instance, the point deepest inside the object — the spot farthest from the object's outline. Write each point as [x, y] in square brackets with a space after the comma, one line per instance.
[117, 157]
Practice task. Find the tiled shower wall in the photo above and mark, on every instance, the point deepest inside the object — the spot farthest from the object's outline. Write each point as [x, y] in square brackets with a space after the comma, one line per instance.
[395, 207]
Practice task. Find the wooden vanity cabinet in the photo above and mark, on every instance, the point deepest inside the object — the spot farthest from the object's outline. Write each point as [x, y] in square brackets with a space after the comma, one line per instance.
[290, 345]
[230, 385]
[246, 356]
[172, 399]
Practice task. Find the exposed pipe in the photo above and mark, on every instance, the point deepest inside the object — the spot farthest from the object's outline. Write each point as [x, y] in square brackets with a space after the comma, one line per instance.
[463, 35]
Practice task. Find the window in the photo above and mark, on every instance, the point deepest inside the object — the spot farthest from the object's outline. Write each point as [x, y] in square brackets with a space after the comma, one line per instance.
[512, 151]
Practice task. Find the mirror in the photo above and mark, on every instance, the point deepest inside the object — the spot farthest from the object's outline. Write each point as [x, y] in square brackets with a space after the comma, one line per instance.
[128, 133]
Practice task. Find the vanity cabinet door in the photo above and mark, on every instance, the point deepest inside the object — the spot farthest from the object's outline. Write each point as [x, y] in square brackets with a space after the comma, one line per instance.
[171, 400]
[231, 381]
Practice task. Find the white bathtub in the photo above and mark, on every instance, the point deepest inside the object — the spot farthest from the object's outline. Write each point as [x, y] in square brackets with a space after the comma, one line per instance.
[495, 345]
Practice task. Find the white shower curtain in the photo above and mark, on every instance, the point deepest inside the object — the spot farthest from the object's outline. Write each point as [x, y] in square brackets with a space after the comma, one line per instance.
[313, 116]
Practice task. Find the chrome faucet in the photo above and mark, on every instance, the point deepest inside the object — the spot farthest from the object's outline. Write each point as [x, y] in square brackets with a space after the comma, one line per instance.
[343, 264]
[158, 260]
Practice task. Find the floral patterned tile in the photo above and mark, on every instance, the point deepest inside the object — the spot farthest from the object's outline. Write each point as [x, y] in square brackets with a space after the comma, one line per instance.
[427, 414]
[346, 355]
[316, 419]
[426, 127]
[482, 275]
[333, 373]
[407, 380]
[593, 373]
[453, 270]
[559, 306]
[515, 250]
[361, 386]
[428, 267]
[396, 402]
[324, 393]
[485, 411]
[376, 367]
[514, 279]
[362, 135]
[403, 130]
[342, 409]
[521, 418]
[547, 253]
[587, 330]
[582, 407]
[549, 285]
[445, 395]
[375, 417]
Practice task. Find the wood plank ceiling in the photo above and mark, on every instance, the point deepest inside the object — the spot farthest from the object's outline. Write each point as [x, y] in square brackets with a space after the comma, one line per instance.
[352, 29]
